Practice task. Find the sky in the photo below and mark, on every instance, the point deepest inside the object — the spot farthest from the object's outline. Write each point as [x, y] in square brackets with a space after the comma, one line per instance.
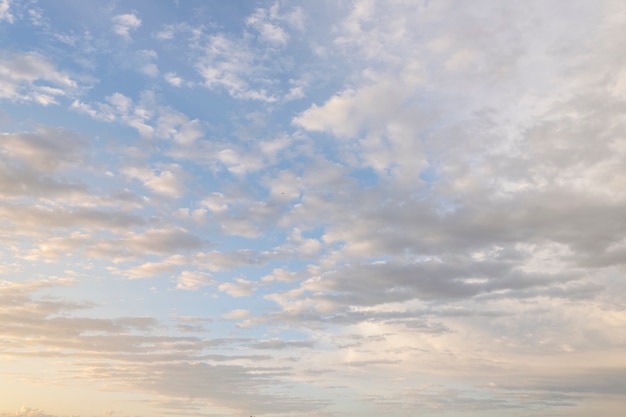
[322, 208]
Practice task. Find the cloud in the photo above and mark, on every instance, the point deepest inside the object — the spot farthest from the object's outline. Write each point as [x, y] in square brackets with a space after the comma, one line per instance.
[28, 412]
[164, 240]
[236, 314]
[173, 79]
[241, 65]
[219, 261]
[145, 63]
[266, 25]
[150, 269]
[166, 181]
[30, 160]
[45, 150]
[279, 344]
[146, 116]
[29, 76]
[123, 352]
[427, 280]
[440, 211]
[38, 219]
[124, 23]
[189, 280]
[230, 64]
[5, 11]
[239, 288]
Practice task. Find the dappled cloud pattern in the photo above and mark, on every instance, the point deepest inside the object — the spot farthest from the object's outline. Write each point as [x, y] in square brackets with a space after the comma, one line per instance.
[333, 209]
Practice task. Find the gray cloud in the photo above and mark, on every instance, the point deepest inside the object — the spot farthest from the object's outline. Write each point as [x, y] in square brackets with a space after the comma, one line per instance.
[279, 344]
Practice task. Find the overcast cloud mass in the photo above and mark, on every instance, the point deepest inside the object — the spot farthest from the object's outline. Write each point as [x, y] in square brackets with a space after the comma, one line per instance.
[312, 208]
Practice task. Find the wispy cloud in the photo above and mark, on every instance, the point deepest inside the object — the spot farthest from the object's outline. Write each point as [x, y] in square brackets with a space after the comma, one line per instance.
[5, 11]
[30, 76]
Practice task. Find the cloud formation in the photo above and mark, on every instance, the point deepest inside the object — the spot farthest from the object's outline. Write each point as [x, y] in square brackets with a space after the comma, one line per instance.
[124, 23]
[29, 76]
[358, 208]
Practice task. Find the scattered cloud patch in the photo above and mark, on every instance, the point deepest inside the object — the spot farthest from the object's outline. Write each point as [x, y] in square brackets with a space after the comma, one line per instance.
[5, 11]
[29, 76]
[193, 281]
[123, 24]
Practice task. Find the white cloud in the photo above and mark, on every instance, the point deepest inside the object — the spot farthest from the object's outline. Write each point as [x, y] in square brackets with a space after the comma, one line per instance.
[230, 64]
[145, 63]
[173, 79]
[300, 246]
[268, 23]
[268, 31]
[236, 314]
[190, 280]
[5, 11]
[151, 269]
[32, 77]
[215, 202]
[124, 23]
[239, 288]
[352, 112]
[280, 275]
[166, 180]
[120, 108]
[149, 119]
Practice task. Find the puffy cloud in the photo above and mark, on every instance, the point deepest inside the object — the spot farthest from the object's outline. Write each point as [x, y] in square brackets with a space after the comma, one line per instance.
[166, 181]
[124, 23]
[173, 79]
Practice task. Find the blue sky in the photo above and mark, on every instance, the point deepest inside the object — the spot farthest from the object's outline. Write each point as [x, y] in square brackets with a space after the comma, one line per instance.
[322, 209]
